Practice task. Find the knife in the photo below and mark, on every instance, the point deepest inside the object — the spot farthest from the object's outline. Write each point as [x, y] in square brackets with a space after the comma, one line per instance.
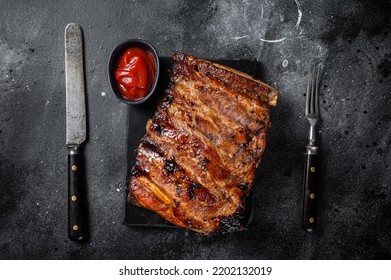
[76, 131]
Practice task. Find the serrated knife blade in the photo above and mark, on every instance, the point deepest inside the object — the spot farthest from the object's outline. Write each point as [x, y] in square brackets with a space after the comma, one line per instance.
[76, 131]
[75, 96]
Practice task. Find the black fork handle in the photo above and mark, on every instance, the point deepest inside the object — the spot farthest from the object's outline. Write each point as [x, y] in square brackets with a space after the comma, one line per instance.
[310, 191]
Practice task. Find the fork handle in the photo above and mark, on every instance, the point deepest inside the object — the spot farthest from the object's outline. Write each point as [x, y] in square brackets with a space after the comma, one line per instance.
[310, 192]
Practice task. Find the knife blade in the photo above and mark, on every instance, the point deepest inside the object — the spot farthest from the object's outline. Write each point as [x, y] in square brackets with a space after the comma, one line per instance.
[76, 131]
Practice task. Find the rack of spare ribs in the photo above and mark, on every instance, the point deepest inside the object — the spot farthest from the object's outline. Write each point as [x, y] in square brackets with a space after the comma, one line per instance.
[197, 161]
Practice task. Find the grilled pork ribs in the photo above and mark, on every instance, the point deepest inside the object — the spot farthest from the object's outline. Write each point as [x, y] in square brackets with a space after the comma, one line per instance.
[197, 161]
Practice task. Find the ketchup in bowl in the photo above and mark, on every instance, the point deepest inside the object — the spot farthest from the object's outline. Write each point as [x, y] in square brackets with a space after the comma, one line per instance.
[135, 73]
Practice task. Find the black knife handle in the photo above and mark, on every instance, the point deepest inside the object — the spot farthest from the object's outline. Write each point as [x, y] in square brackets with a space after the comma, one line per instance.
[310, 193]
[77, 224]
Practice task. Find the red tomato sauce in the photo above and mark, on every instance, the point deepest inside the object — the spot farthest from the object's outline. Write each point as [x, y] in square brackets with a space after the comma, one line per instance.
[135, 73]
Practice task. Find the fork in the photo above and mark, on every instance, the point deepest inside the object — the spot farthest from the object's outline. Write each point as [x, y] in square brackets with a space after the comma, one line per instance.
[310, 193]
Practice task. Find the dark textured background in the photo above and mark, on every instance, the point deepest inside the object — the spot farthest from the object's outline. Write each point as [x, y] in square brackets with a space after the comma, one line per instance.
[352, 37]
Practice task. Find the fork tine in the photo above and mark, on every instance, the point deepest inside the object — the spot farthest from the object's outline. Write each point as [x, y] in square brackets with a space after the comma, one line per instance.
[313, 81]
[316, 112]
[307, 98]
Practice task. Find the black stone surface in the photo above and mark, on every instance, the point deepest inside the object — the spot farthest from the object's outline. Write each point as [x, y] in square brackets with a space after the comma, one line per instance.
[352, 37]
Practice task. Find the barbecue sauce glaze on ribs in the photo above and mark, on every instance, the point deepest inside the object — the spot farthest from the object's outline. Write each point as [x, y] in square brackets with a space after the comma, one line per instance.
[197, 161]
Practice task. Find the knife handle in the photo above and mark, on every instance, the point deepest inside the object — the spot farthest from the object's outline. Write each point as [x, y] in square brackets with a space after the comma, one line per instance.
[77, 223]
[310, 193]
